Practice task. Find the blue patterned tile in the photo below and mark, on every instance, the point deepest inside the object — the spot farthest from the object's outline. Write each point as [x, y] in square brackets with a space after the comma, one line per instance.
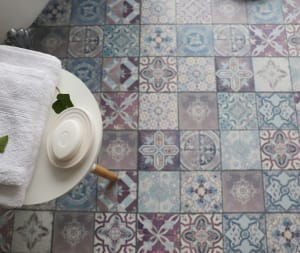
[244, 233]
[295, 72]
[159, 192]
[282, 191]
[276, 110]
[158, 40]
[158, 12]
[237, 111]
[88, 12]
[240, 150]
[121, 40]
[194, 40]
[86, 69]
[123, 12]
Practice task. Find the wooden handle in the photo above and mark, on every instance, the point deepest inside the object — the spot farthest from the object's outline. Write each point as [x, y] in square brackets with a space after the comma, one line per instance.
[103, 172]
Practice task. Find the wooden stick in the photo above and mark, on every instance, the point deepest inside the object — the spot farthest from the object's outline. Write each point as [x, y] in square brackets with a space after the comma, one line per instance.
[103, 172]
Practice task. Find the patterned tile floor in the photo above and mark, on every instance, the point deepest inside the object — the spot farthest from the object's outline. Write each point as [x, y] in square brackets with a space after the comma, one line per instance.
[201, 111]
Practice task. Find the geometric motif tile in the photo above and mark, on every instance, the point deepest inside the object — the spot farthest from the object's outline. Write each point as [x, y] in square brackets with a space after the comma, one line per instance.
[237, 111]
[276, 110]
[158, 233]
[158, 74]
[159, 192]
[158, 111]
[119, 110]
[32, 232]
[158, 150]
[123, 12]
[293, 38]
[242, 191]
[201, 233]
[291, 11]
[201, 192]
[158, 40]
[200, 150]
[196, 74]
[158, 12]
[121, 40]
[193, 12]
[268, 40]
[88, 12]
[282, 191]
[6, 229]
[231, 40]
[280, 149]
[271, 74]
[73, 232]
[115, 232]
[240, 150]
[297, 104]
[197, 111]
[120, 74]
[283, 233]
[295, 72]
[244, 233]
[194, 40]
[85, 41]
[118, 151]
[234, 74]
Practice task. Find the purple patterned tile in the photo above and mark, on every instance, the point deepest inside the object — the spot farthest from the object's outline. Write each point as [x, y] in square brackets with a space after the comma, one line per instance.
[242, 191]
[6, 229]
[123, 12]
[293, 37]
[291, 11]
[119, 110]
[197, 111]
[73, 232]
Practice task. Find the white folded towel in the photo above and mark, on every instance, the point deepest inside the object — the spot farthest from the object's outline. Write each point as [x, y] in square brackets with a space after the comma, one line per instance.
[27, 89]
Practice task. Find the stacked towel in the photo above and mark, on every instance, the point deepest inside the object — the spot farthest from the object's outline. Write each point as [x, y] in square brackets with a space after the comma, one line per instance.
[27, 90]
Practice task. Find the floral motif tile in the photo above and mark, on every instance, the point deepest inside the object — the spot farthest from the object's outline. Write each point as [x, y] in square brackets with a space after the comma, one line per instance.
[234, 74]
[240, 150]
[81, 197]
[197, 111]
[196, 74]
[158, 150]
[158, 233]
[293, 38]
[229, 12]
[120, 196]
[88, 12]
[193, 12]
[291, 11]
[159, 192]
[282, 191]
[118, 150]
[120, 74]
[119, 110]
[73, 232]
[158, 74]
[201, 192]
[87, 70]
[200, 150]
[158, 12]
[6, 229]
[121, 40]
[115, 232]
[242, 191]
[271, 74]
[283, 232]
[237, 111]
[276, 110]
[123, 12]
[32, 232]
[201, 233]
[244, 233]
[231, 40]
[158, 40]
[265, 12]
[268, 40]
[280, 149]
[158, 111]
[295, 72]
[85, 41]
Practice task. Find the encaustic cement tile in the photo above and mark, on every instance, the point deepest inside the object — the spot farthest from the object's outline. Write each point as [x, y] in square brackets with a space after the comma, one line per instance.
[6, 229]
[123, 12]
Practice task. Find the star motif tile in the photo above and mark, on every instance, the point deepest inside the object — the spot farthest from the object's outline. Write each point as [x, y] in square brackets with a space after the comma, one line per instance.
[227, 11]
[293, 38]
[123, 12]
[6, 229]
[158, 12]
[291, 11]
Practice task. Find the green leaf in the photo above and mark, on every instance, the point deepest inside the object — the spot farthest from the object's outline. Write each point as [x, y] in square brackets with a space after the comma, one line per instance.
[3, 143]
[62, 103]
